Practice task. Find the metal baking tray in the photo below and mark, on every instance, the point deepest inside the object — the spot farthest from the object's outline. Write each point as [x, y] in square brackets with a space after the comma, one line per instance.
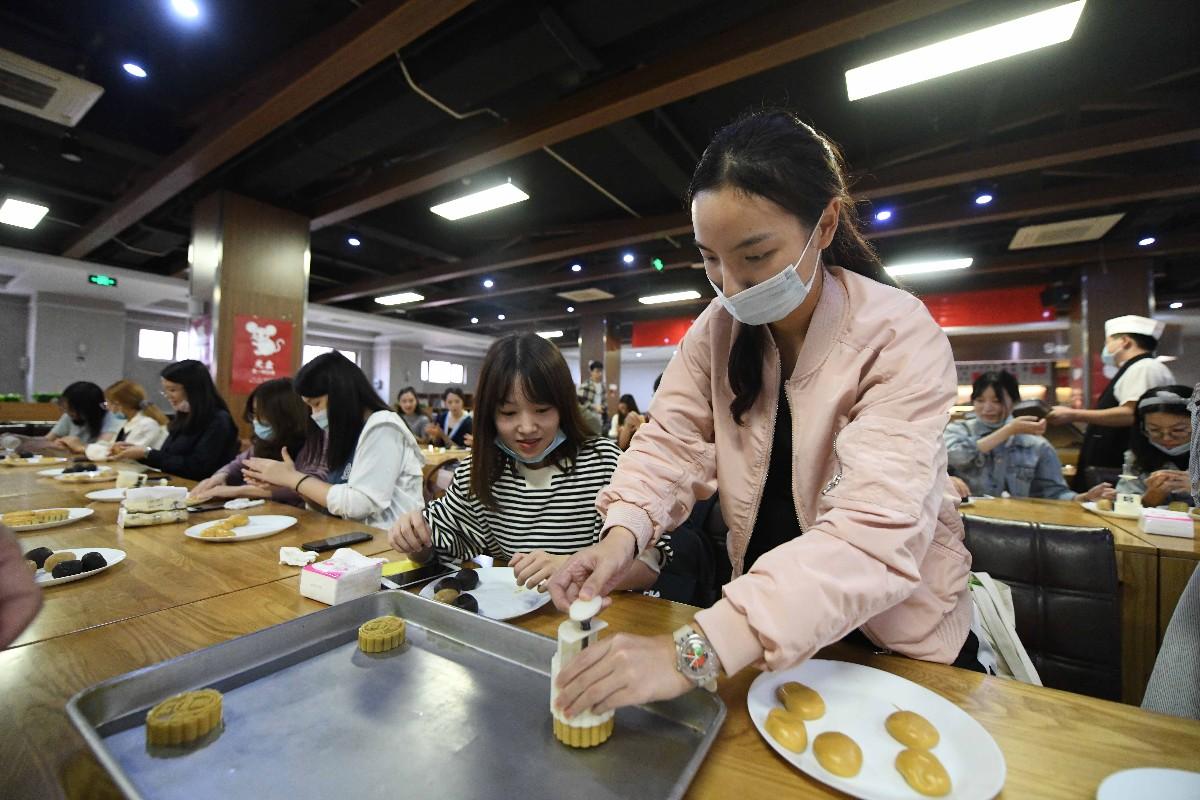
[461, 710]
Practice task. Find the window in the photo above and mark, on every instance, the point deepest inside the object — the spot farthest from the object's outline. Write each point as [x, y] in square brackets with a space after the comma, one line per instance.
[156, 345]
[443, 372]
[183, 350]
[311, 351]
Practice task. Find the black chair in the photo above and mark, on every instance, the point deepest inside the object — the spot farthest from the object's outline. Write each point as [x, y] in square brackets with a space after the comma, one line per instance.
[1066, 597]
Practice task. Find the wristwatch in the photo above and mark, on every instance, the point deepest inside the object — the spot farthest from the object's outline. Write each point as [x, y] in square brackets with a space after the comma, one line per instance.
[695, 658]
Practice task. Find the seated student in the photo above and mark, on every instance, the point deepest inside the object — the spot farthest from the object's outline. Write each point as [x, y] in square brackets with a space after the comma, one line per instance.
[453, 425]
[201, 437]
[527, 493]
[1160, 446]
[993, 453]
[374, 472]
[145, 424]
[281, 422]
[85, 419]
[625, 421]
[413, 415]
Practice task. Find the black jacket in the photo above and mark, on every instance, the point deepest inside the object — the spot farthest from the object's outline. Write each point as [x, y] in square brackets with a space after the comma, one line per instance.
[198, 454]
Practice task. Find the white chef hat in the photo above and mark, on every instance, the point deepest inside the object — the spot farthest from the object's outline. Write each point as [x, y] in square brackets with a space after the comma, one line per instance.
[1132, 323]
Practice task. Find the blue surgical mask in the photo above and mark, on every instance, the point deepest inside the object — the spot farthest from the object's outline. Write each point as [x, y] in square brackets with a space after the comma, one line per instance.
[559, 438]
[1172, 451]
[263, 431]
[1109, 359]
[321, 418]
[774, 298]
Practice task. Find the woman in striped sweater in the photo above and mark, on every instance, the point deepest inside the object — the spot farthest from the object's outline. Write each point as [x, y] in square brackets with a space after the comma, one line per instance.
[527, 493]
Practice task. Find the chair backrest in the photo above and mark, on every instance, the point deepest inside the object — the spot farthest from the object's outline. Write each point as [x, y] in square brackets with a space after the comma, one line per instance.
[1066, 597]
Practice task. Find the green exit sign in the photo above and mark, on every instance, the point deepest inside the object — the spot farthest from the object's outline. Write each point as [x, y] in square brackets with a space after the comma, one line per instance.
[102, 280]
[658, 264]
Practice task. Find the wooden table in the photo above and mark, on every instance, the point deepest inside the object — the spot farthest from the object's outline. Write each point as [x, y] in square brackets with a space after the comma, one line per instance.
[441, 455]
[1177, 560]
[1056, 744]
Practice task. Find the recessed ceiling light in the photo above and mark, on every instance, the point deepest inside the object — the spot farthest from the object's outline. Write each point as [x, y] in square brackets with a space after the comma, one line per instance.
[577, 268]
[186, 8]
[478, 202]
[922, 267]
[500, 316]
[570, 309]
[488, 283]
[399, 299]
[353, 241]
[1176, 305]
[627, 258]
[1146, 241]
[639, 355]
[550, 334]
[22, 214]
[883, 215]
[133, 69]
[68, 148]
[474, 320]
[670, 297]
[993, 43]
[983, 199]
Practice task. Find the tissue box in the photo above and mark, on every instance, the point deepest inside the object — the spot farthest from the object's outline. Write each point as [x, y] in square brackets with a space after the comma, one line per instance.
[1167, 523]
[135, 519]
[344, 577]
[155, 498]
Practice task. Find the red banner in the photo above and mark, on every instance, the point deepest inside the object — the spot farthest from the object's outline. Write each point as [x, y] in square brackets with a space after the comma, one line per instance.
[262, 351]
[660, 332]
[989, 307]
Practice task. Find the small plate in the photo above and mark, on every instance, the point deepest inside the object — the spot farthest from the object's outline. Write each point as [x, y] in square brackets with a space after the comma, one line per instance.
[498, 594]
[107, 495]
[1091, 506]
[1161, 784]
[35, 461]
[98, 476]
[111, 555]
[73, 515]
[260, 527]
[56, 471]
[858, 700]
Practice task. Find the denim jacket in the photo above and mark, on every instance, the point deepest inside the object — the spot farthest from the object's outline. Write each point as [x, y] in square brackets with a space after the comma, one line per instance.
[1024, 466]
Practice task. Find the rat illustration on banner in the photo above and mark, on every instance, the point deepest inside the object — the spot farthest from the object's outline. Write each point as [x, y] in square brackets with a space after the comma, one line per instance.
[262, 351]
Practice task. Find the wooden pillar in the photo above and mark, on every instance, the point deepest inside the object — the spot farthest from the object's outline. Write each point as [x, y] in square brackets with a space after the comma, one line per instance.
[593, 330]
[1109, 290]
[612, 366]
[249, 267]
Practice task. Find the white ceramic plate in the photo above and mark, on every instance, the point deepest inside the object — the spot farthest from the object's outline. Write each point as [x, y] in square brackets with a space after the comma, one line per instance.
[857, 701]
[73, 514]
[111, 555]
[98, 476]
[107, 495]
[35, 461]
[1091, 506]
[260, 527]
[498, 594]
[54, 473]
[1160, 784]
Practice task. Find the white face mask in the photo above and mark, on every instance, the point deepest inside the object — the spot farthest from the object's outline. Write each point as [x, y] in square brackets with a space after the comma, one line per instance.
[774, 298]
[1178, 450]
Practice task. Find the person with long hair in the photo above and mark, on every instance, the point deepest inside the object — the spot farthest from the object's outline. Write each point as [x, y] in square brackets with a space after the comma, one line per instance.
[1160, 446]
[408, 405]
[813, 392]
[527, 492]
[85, 418]
[993, 452]
[626, 421]
[280, 420]
[452, 426]
[201, 437]
[374, 463]
[145, 424]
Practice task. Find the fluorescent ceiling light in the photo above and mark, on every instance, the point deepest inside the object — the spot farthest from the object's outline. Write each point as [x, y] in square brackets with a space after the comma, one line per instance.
[1010, 38]
[550, 334]
[399, 299]
[186, 8]
[136, 70]
[922, 267]
[22, 214]
[1175, 305]
[497, 197]
[670, 297]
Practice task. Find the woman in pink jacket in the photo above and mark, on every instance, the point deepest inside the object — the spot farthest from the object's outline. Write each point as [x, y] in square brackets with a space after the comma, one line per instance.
[813, 394]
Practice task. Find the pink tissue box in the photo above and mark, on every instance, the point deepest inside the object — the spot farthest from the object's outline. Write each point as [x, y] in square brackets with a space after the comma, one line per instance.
[1167, 523]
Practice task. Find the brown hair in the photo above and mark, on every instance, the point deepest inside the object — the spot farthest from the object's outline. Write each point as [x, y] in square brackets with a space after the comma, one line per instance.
[128, 394]
[545, 378]
[276, 403]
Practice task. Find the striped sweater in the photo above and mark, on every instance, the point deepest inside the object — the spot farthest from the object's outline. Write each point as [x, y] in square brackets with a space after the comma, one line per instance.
[542, 509]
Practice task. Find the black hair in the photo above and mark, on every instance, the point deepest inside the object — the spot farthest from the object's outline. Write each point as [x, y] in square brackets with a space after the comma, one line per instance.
[594, 364]
[630, 404]
[774, 155]
[350, 396]
[1002, 383]
[276, 403]
[86, 401]
[204, 401]
[657, 381]
[1147, 343]
[1148, 457]
[458, 390]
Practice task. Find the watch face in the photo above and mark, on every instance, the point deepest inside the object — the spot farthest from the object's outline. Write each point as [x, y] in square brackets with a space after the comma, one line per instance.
[695, 658]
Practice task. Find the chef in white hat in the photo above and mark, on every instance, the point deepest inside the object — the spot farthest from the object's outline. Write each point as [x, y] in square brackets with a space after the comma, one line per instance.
[1129, 345]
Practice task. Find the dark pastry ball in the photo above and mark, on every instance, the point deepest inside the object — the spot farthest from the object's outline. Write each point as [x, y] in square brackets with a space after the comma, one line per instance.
[467, 603]
[65, 569]
[469, 578]
[38, 555]
[83, 466]
[25, 454]
[449, 583]
[93, 561]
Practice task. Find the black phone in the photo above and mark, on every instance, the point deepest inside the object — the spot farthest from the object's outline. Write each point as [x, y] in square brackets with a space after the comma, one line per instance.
[334, 542]
[212, 505]
[421, 574]
[1031, 408]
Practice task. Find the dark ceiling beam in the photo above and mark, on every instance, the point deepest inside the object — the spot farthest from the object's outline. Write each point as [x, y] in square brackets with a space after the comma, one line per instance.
[620, 305]
[602, 237]
[797, 31]
[304, 76]
[409, 245]
[1041, 152]
[953, 214]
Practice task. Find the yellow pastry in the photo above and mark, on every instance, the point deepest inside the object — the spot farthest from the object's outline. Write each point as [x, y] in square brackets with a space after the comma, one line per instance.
[183, 718]
[838, 753]
[787, 729]
[33, 567]
[18, 519]
[912, 730]
[588, 736]
[446, 596]
[381, 634]
[236, 521]
[801, 700]
[217, 532]
[923, 772]
[58, 557]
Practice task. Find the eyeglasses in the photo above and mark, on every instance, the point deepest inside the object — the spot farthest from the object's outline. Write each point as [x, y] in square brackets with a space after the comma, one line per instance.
[1178, 432]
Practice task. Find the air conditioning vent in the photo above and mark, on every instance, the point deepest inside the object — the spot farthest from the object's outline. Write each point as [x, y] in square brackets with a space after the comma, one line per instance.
[44, 91]
[586, 295]
[1068, 232]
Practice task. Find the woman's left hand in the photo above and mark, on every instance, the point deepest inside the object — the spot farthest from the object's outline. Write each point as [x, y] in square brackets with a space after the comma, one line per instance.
[267, 470]
[72, 443]
[1101, 491]
[131, 452]
[621, 670]
[533, 568]
[1169, 480]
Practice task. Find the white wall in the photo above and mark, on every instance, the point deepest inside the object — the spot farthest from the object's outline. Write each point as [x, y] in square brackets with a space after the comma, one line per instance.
[398, 365]
[637, 372]
[74, 340]
[14, 330]
[144, 370]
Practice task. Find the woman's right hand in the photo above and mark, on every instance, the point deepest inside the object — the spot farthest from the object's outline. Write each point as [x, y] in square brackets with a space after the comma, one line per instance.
[1030, 425]
[410, 534]
[208, 484]
[594, 571]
